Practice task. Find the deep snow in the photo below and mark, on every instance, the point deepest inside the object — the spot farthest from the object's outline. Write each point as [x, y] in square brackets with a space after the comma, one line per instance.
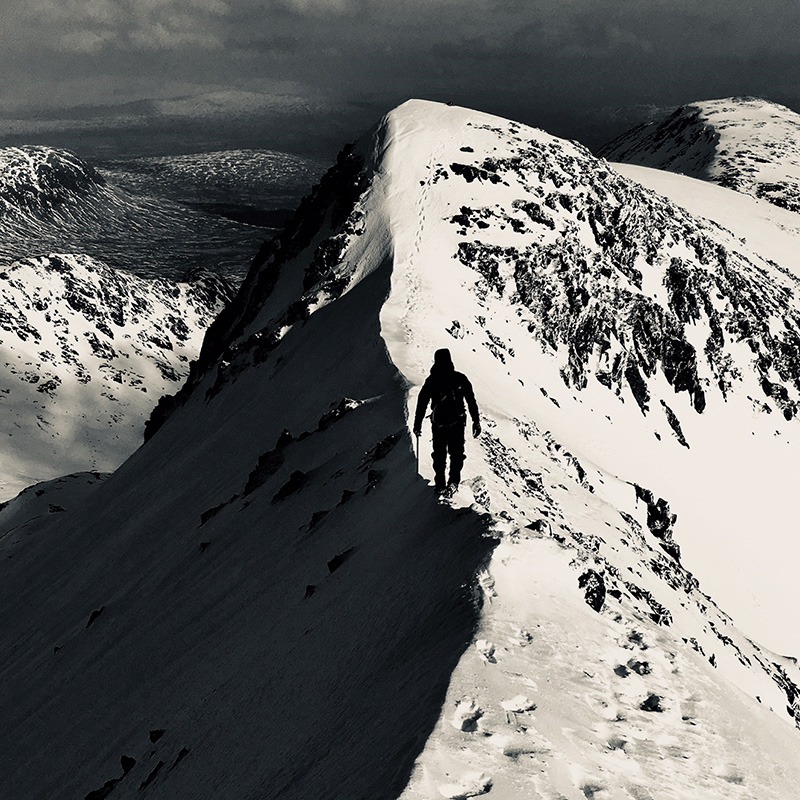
[252, 613]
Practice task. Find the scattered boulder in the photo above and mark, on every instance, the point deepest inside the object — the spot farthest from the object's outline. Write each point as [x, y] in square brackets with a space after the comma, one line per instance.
[652, 703]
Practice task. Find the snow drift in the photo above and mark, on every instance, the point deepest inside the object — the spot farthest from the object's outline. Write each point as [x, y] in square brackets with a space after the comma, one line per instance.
[265, 600]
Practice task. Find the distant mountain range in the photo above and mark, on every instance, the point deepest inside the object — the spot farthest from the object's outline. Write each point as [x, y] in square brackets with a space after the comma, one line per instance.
[153, 217]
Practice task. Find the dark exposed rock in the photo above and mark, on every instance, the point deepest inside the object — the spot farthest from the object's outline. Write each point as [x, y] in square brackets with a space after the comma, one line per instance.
[297, 480]
[659, 520]
[94, 615]
[181, 755]
[471, 173]
[337, 412]
[346, 495]
[152, 776]
[652, 703]
[156, 734]
[128, 763]
[675, 424]
[594, 589]
[268, 464]
[212, 512]
[104, 791]
[316, 518]
[383, 448]
[339, 559]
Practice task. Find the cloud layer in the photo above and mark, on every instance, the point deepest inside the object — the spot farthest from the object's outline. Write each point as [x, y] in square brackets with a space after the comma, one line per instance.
[556, 63]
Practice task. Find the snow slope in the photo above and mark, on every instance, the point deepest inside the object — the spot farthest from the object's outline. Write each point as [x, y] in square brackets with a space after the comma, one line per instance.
[266, 601]
[743, 143]
[86, 353]
[52, 201]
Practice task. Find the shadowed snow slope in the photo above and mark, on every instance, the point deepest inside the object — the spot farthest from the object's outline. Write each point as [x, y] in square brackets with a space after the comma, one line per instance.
[744, 143]
[86, 352]
[266, 601]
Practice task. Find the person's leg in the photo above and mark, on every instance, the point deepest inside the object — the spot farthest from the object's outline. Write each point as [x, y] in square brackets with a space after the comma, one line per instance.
[439, 455]
[455, 446]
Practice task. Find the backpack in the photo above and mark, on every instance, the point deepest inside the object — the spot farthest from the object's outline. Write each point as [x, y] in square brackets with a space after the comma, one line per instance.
[447, 404]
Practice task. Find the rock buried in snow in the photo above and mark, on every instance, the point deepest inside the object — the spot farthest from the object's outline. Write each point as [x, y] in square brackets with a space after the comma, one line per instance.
[466, 715]
[518, 704]
[486, 651]
[474, 784]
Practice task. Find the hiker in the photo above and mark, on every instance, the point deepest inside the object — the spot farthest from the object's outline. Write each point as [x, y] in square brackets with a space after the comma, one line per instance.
[447, 391]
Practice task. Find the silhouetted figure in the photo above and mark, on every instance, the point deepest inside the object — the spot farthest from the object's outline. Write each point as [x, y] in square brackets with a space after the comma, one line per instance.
[447, 391]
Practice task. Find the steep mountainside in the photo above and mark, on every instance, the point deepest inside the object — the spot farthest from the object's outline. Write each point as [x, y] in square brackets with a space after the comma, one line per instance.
[265, 600]
[743, 143]
[86, 352]
[51, 201]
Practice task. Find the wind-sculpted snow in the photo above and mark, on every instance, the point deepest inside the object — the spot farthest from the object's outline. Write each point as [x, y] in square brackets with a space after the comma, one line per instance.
[51, 201]
[743, 143]
[87, 351]
[267, 600]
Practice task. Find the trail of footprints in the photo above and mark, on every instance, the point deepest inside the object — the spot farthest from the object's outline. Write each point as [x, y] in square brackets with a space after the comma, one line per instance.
[636, 719]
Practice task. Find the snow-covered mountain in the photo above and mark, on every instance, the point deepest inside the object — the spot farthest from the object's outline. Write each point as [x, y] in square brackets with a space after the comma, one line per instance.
[52, 201]
[743, 143]
[266, 600]
[86, 353]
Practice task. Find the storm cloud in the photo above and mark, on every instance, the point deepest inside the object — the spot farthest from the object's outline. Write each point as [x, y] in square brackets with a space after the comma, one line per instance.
[580, 68]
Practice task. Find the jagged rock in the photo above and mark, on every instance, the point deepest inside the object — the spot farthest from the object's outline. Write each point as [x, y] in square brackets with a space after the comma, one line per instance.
[297, 480]
[652, 703]
[594, 589]
[94, 615]
[340, 559]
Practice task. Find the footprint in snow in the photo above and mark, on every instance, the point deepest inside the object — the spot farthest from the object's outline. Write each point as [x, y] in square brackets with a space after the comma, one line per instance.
[466, 715]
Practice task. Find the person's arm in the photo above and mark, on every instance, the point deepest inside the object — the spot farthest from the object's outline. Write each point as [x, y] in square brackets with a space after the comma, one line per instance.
[422, 407]
[469, 396]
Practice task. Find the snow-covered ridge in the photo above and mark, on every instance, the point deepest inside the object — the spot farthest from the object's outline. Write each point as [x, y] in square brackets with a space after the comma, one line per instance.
[87, 351]
[743, 143]
[269, 564]
[52, 201]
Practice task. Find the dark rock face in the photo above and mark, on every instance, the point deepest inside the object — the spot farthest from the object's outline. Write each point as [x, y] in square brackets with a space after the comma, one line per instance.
[660, 521]
[594, 589]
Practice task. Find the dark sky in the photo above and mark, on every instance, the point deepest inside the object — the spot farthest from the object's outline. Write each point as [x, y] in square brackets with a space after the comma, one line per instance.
[114, 76]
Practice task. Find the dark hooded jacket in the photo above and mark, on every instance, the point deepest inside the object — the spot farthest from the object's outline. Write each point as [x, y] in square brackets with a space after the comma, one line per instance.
[447, 391]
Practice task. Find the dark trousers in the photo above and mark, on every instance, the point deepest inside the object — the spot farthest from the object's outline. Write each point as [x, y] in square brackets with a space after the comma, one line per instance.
[448, 440]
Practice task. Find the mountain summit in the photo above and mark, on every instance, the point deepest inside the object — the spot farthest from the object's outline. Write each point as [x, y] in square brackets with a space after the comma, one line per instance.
[266, 600]
[743, 143]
